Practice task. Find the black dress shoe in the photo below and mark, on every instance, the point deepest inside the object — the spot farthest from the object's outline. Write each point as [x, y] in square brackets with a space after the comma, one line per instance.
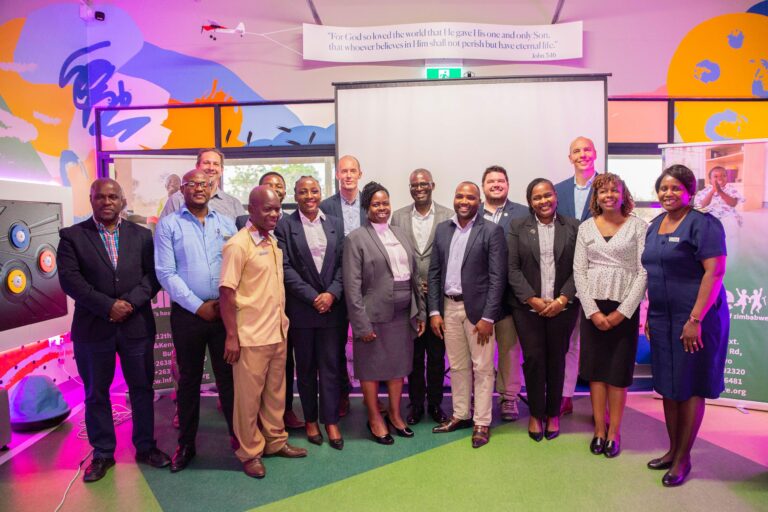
[415, 414]
[597, 446]
[154, 458]
[401, 432]
[437, 414]
[612, 448]
[659, 463]
[97, 469]
[336, 444]
[452, 425]
[551, 434]
[385, 439]
[668, 480]
[536, 436]
[182, 457]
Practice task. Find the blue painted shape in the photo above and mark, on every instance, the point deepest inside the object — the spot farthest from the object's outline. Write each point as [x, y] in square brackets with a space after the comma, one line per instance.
[304, 135]
[707, 71]
[759, 8]
[67, 157]
[50, 35]
[736, 39]
[726, 116]
[193, 78]
[758, 87]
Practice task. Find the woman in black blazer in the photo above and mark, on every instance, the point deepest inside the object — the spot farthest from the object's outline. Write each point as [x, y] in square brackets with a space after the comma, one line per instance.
[545, 308]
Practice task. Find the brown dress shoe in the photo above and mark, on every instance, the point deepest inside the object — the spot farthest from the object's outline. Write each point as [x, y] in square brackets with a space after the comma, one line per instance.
[254, 468]
[290, 452]
[291, 420]
[480, 436]
[451, 425]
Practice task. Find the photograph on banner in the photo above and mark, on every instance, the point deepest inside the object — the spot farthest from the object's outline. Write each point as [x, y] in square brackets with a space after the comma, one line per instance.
[732, 186]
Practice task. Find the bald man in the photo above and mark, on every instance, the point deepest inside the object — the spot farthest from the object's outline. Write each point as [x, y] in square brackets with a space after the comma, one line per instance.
[573, 197]
[106, 265]
[253, 309]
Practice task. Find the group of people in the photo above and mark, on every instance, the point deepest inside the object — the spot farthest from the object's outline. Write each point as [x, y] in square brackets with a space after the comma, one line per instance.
[561, 275]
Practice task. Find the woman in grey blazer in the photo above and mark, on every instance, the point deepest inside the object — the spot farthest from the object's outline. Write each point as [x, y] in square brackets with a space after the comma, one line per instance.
[385, 308]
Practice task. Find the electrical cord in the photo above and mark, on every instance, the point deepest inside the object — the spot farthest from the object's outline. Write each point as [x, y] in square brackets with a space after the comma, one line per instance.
[71, 482]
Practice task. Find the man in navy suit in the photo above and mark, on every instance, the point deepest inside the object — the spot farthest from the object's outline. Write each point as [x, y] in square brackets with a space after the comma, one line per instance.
[467, 279]
[106, 265]
[276, 182]
[312, 245]
[573, 198]
[345, 205]
[500, 210]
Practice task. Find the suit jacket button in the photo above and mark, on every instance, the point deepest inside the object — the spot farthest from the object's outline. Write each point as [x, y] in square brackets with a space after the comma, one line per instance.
[117, 279]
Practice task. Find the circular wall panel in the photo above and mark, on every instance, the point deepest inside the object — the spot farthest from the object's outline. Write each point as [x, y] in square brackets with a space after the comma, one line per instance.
[19, 236]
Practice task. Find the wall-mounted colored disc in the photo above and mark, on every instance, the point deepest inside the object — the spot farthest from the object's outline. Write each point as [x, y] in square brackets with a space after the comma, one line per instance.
[46, 261]
[19, 236]
[16, 281]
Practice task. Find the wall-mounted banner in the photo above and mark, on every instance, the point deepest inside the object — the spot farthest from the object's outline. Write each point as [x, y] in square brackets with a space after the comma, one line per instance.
[443, 40]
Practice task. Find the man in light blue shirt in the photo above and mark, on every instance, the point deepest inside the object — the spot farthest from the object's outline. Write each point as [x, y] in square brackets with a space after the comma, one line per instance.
[573, 198]
[188, 254]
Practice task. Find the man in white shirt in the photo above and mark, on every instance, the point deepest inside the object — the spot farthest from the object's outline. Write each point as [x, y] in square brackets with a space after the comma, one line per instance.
[419, 221]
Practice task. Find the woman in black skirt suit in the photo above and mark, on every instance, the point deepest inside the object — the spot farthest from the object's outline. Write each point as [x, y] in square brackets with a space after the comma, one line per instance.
[611, 281]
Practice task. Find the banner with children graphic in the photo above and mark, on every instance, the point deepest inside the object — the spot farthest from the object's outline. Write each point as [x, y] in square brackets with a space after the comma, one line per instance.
[732, 186]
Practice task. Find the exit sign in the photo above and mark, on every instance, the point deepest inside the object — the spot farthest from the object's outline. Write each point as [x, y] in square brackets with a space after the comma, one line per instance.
[443, 73]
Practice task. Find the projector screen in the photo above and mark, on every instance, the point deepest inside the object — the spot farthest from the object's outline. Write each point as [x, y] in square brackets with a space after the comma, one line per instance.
[457, 128]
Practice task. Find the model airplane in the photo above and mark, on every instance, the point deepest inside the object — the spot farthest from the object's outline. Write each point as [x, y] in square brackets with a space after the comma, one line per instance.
[214, 28]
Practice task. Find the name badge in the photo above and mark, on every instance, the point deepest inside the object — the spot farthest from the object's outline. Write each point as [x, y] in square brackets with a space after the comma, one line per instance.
[674, 239]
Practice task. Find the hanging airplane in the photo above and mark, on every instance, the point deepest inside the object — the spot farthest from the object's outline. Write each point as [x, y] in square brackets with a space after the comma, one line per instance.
[215, 28]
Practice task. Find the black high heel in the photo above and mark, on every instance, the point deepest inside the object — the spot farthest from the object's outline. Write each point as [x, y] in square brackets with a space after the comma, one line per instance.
[612, 448]
[537, 436]
[597, 446]
[386, 439]
[659, 463]
[402, 432]
[673, 481]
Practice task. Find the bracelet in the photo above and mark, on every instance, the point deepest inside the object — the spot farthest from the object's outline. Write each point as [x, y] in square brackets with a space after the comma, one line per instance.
[561, 302]
[694, 320]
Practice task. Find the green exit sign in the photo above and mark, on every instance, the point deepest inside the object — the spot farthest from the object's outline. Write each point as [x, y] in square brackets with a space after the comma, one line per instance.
[443, 73]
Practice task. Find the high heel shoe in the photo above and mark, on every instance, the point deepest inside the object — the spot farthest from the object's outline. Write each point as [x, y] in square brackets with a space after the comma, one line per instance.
[669, 480]
[597, 446]
[536, 436]
[402, 432]
[335, 443]
[551, 434]
[612, 448]
[314, 438]
[659, 463]
[386, 439]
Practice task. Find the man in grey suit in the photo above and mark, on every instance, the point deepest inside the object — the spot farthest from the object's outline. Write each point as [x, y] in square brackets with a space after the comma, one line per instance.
[573, 197]
[345, 205]
[500, 210]
[419, 221]
[467, 279]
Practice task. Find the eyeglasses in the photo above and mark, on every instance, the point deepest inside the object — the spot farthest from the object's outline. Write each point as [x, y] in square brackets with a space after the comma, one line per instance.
[196, 184]
[421, 184]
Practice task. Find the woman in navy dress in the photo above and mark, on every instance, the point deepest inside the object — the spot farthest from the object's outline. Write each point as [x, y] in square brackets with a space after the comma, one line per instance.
[687, 314]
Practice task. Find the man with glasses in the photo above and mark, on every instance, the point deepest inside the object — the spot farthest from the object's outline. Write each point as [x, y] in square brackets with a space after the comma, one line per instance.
[188, 254]
[419, 221]
[211, 162]
[500, 210]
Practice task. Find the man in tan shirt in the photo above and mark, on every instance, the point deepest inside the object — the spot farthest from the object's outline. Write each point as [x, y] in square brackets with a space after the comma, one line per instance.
[252, 303]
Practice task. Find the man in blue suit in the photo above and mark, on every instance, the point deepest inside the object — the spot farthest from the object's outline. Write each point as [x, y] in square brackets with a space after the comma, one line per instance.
[573, 198]
[500, 210]
[345, 205]
[467, 279]
[312, 246]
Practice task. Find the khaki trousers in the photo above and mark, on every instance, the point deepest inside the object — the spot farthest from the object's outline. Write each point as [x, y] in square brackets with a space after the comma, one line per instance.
[509, 376]
[259, 377]
[463, 350]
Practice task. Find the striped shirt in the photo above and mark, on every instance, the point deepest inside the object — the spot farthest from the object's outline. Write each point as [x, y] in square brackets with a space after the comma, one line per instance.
[547, 251]
[111, 240]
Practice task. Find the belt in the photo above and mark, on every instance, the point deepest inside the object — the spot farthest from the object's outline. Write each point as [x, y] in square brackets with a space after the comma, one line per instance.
[456, 298]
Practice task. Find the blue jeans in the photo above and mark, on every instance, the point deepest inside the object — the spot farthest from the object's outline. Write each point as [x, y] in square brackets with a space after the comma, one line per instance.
[96, 365]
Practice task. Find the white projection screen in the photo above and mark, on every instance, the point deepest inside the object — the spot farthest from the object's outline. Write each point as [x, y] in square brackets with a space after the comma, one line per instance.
[457, 128]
